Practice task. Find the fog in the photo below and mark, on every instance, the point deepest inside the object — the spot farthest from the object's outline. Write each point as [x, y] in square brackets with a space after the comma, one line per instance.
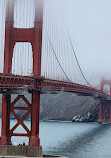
[89, 26]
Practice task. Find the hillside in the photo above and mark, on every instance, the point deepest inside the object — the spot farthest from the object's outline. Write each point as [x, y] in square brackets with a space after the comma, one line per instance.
[63, 106]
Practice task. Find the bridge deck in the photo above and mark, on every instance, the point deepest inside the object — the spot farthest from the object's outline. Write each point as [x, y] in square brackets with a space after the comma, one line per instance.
[11, 83]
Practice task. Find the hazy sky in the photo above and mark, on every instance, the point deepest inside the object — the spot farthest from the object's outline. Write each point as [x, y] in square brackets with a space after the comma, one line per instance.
[89, 25]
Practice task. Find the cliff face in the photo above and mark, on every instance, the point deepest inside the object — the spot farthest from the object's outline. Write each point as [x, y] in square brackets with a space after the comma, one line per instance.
[63, 106]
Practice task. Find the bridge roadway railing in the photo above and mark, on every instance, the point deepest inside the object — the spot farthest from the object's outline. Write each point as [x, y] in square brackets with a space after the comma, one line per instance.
[55, 85]
[16, 82]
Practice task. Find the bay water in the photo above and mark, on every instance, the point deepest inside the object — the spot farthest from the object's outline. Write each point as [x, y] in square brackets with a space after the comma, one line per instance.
[75, 140]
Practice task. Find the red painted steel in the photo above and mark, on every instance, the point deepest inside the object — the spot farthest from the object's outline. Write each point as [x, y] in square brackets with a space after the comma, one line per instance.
[5, 136]
[8, 44]
[105, 105]
[37, 39]
[22, 35]
[105, 111]
[9, 82]
[12, 82]
[71, 87]
[34, 140]
[20, 120]
[100, 112]
[33, 35]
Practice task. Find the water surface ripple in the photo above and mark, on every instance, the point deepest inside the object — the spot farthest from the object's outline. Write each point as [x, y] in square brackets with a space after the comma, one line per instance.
[75, 140]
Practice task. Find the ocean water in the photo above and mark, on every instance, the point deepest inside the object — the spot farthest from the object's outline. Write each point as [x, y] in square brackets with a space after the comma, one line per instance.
[75, 140]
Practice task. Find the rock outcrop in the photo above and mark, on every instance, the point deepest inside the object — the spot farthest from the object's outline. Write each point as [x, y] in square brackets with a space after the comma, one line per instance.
[84, 118]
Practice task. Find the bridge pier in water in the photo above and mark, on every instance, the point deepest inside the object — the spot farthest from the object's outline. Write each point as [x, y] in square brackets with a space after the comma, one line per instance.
[105, 105]
[105, 111]
[33, 149]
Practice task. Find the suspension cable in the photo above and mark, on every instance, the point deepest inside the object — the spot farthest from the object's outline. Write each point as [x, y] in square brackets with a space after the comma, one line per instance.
[77, 60]
[57, 57]
[74, 56]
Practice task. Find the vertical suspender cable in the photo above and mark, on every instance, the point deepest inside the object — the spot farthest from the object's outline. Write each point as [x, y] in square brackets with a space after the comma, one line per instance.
[55, 41]
[51, 55]
[77, 60]
[57, 58]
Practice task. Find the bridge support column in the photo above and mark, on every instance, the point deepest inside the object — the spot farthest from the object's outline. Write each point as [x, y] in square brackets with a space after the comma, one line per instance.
[110, 113]
[105, 111]
[35, 115]
[100, 112]
[33, 149]
[5, 136]
[105, 105]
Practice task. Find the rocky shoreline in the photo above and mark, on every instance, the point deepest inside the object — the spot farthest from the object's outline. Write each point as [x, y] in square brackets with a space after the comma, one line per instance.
[88, 117]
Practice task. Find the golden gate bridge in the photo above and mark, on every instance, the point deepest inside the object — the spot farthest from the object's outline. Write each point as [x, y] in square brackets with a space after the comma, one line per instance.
[35, 57]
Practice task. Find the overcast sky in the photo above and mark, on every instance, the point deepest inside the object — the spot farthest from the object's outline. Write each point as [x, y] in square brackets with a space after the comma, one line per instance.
[89, 24]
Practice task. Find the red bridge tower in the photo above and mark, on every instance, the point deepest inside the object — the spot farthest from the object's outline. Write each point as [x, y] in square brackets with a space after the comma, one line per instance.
[105, 105]
[34, 36]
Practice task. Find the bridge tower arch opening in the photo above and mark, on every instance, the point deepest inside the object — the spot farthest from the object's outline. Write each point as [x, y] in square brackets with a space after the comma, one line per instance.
[22, 60]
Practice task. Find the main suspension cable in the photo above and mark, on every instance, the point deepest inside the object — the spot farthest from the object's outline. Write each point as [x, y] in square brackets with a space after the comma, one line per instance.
[57, 57]
[77, 60]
